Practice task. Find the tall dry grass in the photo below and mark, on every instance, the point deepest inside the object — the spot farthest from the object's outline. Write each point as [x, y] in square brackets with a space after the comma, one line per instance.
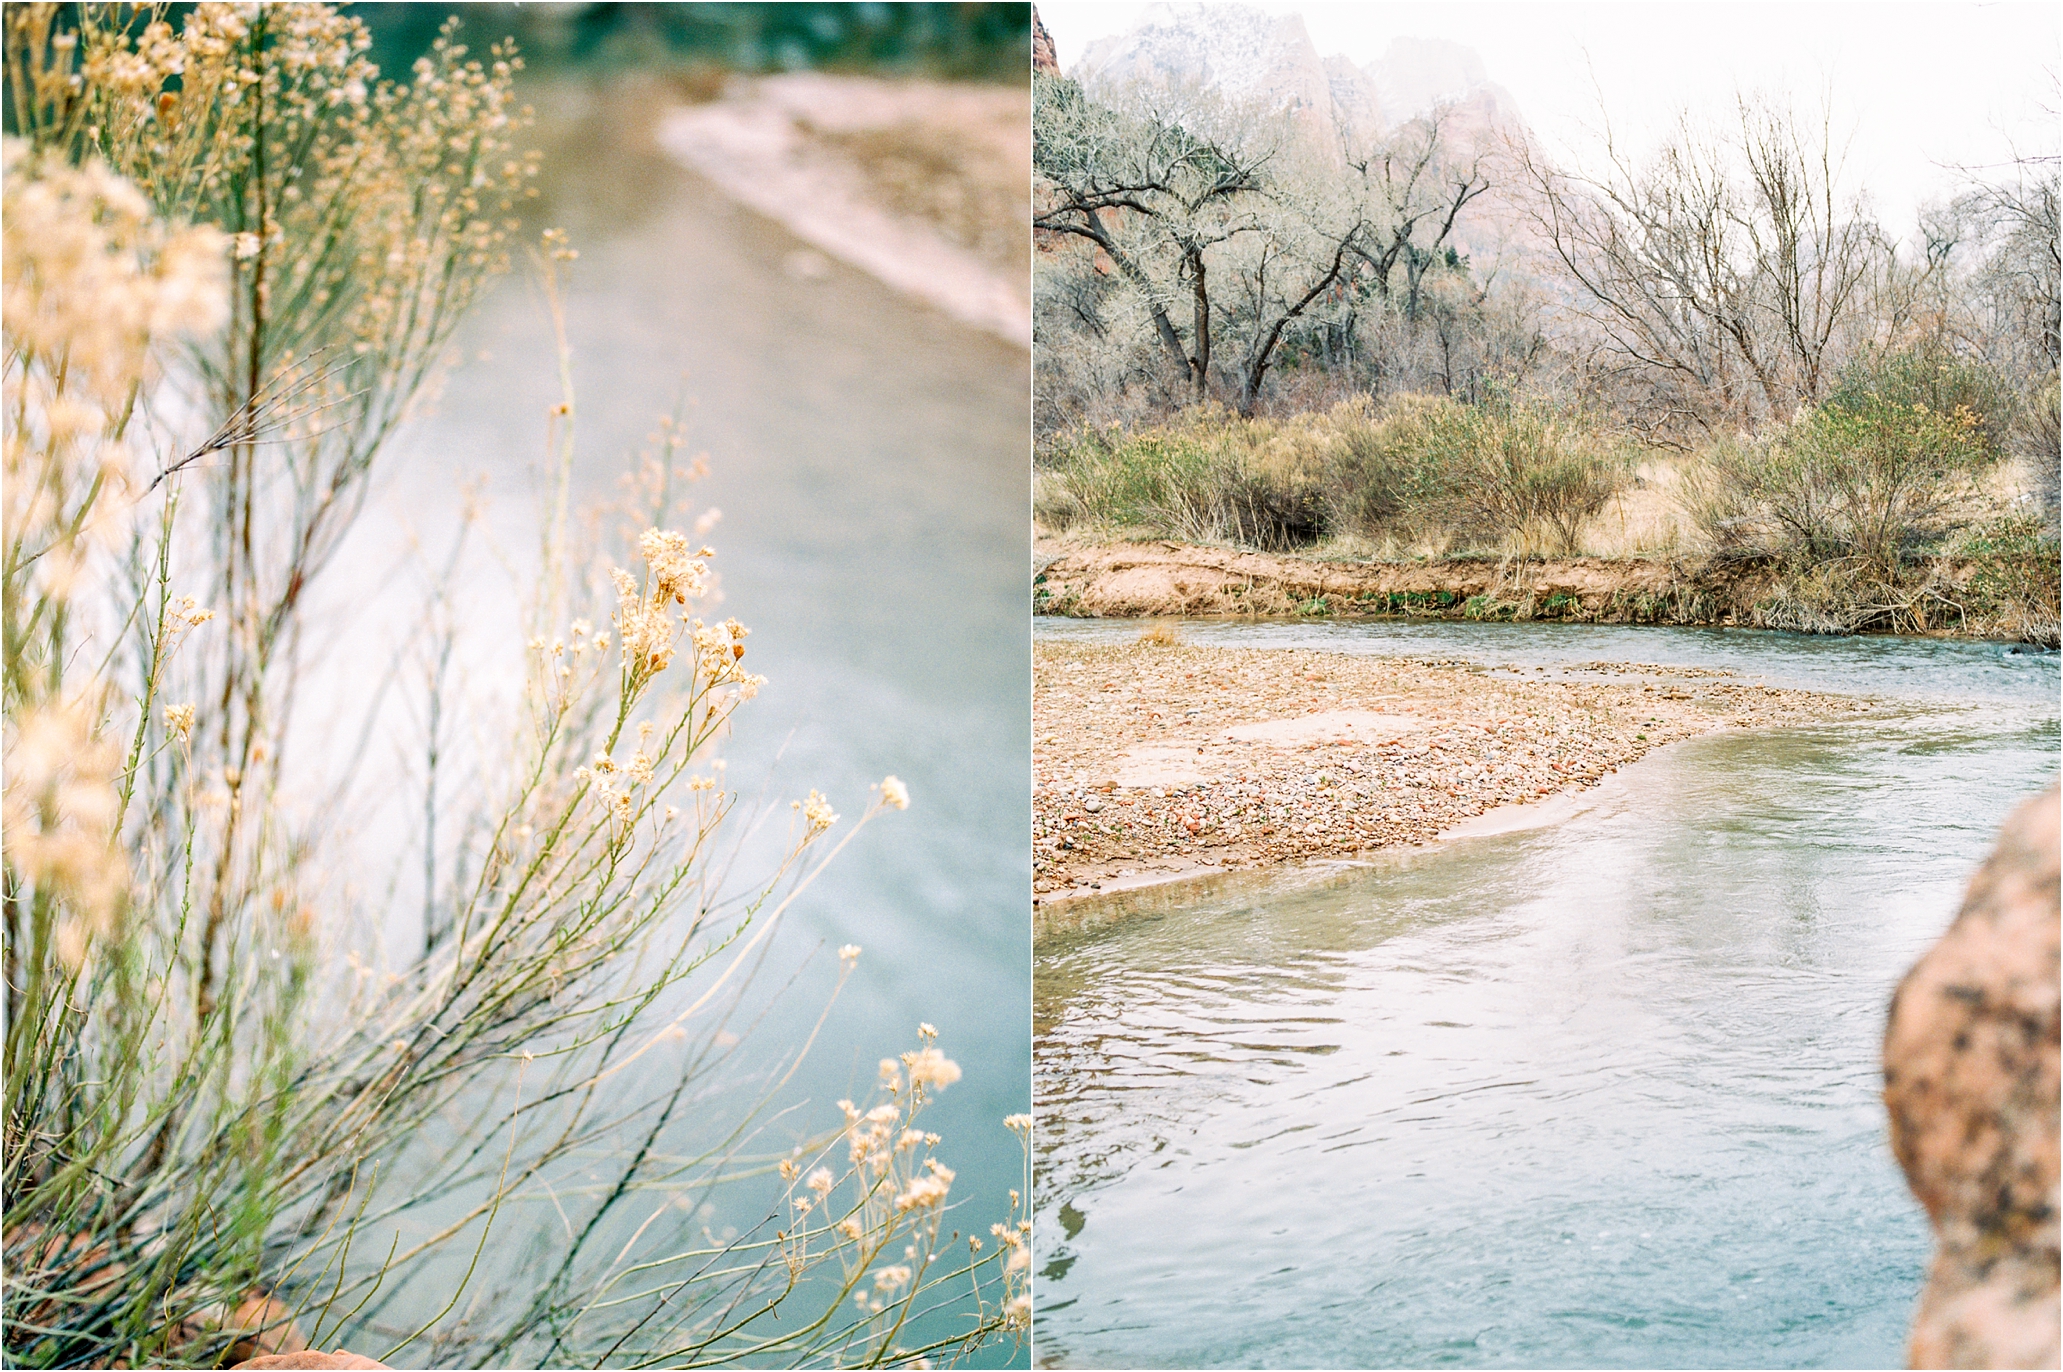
[237, 1121]
[1919, 497]
[1419, 473]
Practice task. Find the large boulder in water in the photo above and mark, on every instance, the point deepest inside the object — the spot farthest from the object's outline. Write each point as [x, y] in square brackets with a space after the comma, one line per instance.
[1971, 1082]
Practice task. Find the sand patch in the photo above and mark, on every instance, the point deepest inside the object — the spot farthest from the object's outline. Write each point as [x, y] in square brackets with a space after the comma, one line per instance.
[1332, 726]
[1141, 767]
[1153, 759]
[1512, 819]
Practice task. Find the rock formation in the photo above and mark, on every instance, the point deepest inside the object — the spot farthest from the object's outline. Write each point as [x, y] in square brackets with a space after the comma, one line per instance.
[1971, 1083]
[311, 1360]
[1415, 74]
[1268, 61]
[1249, 58]
[1357, 112]
[1043, 58]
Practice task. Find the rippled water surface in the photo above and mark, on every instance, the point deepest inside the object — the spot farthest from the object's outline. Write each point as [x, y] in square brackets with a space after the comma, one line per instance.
[1601, 1094]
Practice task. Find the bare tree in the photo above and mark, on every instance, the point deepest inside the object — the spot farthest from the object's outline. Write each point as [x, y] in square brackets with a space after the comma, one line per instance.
[1277, 284]
[1242, 242]
[1723, 276]
[1416, 187]
[1147, 193]
[2014, 215]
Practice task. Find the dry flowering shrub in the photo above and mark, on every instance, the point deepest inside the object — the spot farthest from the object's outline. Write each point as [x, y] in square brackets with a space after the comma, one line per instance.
[94, 285]
[90, 277]
[876, 1199]
[863, 1230]
[232, 254]
[361, 217]
[60, 812]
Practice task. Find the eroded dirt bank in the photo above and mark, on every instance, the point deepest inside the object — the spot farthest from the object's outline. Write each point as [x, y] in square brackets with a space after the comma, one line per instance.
[1162, 577]
[1118, 580]
[1155, 760]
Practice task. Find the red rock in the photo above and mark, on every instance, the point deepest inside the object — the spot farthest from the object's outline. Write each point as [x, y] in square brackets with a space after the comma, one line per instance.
[1972, 1086]
[1042, 47]
[306, 1359]
[274, 1330]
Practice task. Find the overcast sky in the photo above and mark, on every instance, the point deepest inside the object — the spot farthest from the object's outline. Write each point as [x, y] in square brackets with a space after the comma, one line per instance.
[1913, 86]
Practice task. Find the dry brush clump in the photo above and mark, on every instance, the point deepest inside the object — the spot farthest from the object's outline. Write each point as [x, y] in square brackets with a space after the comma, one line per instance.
[1419, 473]
[1209, 476]
[242, 1115]
[1882, 508]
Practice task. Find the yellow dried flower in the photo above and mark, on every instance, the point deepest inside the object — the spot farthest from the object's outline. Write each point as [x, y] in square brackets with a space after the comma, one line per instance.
[929, 1067]
[928, 1189]
[191, 613]
[816, 812]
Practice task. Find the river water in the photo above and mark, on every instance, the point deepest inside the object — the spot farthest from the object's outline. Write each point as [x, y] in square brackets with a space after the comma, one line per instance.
[1599, 1094]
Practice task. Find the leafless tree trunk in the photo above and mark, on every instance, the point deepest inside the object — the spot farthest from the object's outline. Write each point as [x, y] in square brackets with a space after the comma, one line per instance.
[1273, 314]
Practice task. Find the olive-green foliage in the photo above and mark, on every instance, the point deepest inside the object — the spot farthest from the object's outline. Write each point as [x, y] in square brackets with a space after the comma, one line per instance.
[1936, 381]
[1420, 470]
[1868, 477]
[1874, 508]
[1498, 474]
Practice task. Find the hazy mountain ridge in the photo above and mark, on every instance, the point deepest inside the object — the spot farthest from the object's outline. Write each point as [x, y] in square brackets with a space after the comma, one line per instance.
[1253, 57]
[1241, 53]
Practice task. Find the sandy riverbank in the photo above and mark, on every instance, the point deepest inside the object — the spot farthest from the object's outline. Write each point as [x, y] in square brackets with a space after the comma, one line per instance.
[1163, 577]
[1122, 580]
[1155, 760]
[923, 184]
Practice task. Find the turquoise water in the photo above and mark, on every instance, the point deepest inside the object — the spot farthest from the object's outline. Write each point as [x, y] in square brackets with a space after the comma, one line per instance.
[868, 457]
[1597, 1095]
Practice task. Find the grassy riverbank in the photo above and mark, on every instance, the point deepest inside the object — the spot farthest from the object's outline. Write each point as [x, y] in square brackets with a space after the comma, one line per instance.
[2005, 589]
[1155, 759]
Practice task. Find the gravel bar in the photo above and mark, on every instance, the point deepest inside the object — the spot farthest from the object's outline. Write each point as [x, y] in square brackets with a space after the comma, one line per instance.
[1155, 760]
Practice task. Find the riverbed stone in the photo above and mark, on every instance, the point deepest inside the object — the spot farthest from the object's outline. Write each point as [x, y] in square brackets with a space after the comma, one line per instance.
[1972, 1086]
[307, 1358]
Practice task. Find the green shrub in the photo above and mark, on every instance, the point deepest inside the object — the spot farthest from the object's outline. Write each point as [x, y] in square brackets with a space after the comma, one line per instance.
[1930, 380]
[1868, 478]
[1207, 476]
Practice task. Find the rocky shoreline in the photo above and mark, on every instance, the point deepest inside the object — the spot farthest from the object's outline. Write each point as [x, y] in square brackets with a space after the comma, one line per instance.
[1157, 759]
